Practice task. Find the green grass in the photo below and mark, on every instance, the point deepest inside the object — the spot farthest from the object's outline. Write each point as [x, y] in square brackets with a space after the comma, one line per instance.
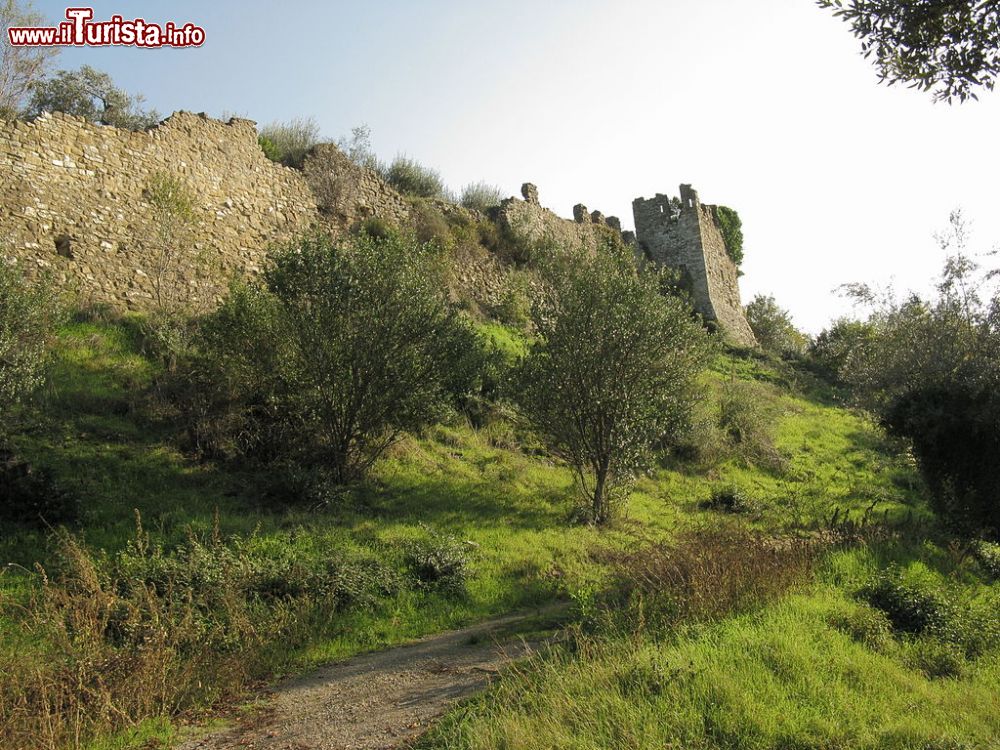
[782, 677]
[99, 438]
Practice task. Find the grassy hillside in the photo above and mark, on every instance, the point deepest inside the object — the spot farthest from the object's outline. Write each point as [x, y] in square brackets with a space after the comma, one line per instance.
[773, 677]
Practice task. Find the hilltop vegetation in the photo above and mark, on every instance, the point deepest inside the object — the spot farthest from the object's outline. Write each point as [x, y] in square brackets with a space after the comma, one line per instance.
[352, 452]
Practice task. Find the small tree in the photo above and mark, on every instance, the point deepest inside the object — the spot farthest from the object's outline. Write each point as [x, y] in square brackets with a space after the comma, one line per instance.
[91, 94]
[27, 317]
[20, 67]
[346, 347]
[930, 370]
[772, 326]
[612, 371]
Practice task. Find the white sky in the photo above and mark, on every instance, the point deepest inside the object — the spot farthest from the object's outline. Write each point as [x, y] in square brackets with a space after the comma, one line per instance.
[764, 106]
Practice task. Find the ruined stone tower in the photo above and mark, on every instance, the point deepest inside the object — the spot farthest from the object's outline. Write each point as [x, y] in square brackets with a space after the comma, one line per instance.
[686, 236]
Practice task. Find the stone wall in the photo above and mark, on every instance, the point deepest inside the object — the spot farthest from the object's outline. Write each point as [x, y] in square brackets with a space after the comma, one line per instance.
[527, 221]
[347, 193]
[73, 203]
[685, 235]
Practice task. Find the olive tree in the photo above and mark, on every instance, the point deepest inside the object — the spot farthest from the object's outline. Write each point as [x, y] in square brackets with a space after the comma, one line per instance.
[27, 314]
[341, 349]
[948, 47]
[93, 95]
[612, 371]
[20, 67]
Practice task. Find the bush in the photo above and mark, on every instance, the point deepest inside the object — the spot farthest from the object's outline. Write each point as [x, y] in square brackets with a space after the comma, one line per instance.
[344, 348]
[28, 313]
[911, 606]
[830, 352]
[612, 371]
[773, 328]
[731, 499]
[732, 232]
[290, 141]
[866, 625]
[935, 658]
[987, 555]
[481, 196]
[31, 497]
[439, 562]
[412, 178]
[269, 147]
[431, 226]
[930, 371]
[746, 425]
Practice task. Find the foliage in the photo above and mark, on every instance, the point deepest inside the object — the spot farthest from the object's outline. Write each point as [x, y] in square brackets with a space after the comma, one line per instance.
[611, 372]
[269, 147]
[414, 179]
[346, 347]
[20, 67]
[481, 196]
[746, 424]
[833, 347]
[91, 94]
[732, 232]
[948, 47]
[772, 326]
[32, 497]
[430, 225]
[439, 562]
[911, 606]
[290, 141]
[132, 634]
[358, 148]
[731, 499]
[931, 372]
[28, 313]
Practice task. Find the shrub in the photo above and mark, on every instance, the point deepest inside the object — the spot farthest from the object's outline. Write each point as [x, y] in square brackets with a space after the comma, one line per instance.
[746, 425]
[935, 658]
[345, 347]
[31, 497]
[987, 554]
[773, 328]
[481, 196]
[911, 606]
[28, 313]
[731, 499]
[412, 178]
[376, 228]
[269, 147]
[290, 141]
[612, 371]
[930, 371]
[732, 232]
[866, 625]
[91, 94]
[431, 226]
[831, 350]
[439, 562]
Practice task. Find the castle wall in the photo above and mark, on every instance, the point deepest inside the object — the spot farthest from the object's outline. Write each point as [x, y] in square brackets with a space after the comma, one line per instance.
[73, 204]
[530, 222]
[684, 235]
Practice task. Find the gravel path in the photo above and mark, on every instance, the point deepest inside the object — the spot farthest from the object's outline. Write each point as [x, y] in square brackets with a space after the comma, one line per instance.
[379, 700]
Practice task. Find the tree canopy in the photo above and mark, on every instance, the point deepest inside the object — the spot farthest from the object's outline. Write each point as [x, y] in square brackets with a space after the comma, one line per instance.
[948, 47]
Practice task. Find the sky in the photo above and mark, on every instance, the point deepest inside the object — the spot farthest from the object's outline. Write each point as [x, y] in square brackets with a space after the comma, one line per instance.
[764, 106]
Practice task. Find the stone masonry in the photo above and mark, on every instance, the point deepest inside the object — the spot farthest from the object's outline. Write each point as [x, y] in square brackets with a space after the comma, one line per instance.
[686, 236]
[73, 203]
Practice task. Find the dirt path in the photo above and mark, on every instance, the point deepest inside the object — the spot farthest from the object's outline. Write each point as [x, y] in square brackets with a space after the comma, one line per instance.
[379, 700]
